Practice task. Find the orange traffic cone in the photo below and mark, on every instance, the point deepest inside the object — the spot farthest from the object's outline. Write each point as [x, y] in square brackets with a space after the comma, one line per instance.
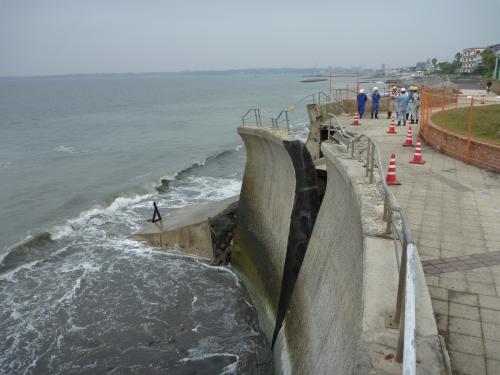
[392, 128]
[482, 100]
[417, 156]
[391, 179]
[409, 139]
[356, 119]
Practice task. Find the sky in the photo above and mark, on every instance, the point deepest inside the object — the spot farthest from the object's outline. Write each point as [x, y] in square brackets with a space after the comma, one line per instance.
[51, 37]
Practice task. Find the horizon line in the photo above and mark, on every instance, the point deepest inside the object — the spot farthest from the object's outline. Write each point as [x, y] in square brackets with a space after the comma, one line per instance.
[193, 71]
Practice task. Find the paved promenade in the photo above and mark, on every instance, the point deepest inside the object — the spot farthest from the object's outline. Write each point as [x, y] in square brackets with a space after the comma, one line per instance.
[454, 210]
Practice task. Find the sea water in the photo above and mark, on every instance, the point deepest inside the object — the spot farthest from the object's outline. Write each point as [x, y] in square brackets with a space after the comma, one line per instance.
[82, 158]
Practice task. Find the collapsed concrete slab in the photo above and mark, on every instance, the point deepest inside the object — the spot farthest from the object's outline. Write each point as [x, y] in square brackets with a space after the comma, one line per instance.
[199, 229]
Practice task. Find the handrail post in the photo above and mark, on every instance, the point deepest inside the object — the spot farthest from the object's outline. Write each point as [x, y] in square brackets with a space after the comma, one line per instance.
[243, 120]
[287, 122]
[371, 164]
[409, 335]
[367, 158]
[388, 228]
[256, 118]
[260, 119]
[401, 284]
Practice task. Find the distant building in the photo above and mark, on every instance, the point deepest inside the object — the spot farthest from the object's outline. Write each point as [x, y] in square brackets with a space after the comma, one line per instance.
[471, 59]
[495, 48]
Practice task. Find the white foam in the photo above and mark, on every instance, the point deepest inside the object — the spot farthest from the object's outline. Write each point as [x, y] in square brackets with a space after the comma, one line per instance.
[229, 369]
[66, 149]
[195, 329]
[197, 356]
[84, 217]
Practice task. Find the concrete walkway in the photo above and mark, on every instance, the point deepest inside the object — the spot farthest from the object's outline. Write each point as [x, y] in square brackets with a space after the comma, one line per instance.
[454, 210]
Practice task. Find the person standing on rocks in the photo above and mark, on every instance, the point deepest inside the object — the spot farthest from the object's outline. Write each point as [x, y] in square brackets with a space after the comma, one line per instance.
[375, 102]
[403, 100]
[393, 102]
[362, 99]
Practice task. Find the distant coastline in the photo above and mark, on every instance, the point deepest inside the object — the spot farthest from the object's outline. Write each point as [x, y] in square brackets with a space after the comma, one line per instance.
[249, 71]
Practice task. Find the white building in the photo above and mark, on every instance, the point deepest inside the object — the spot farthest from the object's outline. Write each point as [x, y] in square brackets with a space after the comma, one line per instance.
[471, 58]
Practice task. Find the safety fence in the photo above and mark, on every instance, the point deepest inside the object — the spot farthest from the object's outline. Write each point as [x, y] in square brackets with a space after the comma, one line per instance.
[398, 224]
[462, 126]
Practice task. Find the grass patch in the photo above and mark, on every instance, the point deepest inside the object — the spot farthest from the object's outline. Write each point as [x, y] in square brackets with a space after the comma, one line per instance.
[485, 122]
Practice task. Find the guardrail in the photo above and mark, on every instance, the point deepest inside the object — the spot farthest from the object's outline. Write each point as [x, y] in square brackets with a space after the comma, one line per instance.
[254, 116]
[397, 223]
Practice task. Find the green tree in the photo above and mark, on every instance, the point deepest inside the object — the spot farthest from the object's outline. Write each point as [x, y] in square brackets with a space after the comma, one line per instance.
[458, 57]
[488, 57]
[434, 62]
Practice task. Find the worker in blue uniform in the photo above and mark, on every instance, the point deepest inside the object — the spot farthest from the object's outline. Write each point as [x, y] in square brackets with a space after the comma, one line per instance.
[362, 99]
[375, 102]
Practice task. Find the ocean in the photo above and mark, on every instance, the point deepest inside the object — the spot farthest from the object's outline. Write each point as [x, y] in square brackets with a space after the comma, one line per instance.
[82, 158]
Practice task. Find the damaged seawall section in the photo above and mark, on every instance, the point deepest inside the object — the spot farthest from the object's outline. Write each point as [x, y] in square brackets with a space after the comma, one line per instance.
[345, 285]
[275, 220]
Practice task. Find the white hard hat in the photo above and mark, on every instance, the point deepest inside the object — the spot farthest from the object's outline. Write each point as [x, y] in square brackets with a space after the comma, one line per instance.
[403, 89]
[361, 91]
[375, 88]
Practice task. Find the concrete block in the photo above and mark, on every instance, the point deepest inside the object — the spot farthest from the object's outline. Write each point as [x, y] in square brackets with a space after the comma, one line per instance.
[432, 280]
[467, 364]
[463, 298]
[453, 284]
[486, 289]
[489, 302]
[442, 322]
[465, 344]
[492, 366]
[481, 275]
[491, 331]
[465, 326]
[440, 307]
[492, 349]
[463, 311]
[490, 316]
[438, 293]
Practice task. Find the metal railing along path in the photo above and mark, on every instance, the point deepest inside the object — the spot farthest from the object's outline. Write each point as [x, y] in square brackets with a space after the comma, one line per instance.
[255, 116]
[399, 224]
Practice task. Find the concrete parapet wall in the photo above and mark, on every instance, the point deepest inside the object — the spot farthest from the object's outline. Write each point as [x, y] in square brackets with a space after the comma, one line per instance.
[325, 314]
[263, 224]
[319, 113]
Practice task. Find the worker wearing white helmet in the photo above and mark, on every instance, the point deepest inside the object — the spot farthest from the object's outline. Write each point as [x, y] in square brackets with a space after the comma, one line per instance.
[393, 102]
[403, 100]
[375, 102]
[362, 98]
[414, 105]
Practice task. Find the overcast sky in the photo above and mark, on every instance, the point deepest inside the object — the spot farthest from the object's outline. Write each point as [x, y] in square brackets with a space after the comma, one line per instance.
[43, 37]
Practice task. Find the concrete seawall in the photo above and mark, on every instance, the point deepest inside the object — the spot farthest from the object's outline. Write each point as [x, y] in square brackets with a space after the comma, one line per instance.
[264, 242]
[346, 285]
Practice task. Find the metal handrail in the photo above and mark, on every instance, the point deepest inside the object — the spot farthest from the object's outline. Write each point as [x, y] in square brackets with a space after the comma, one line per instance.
[395, 216]
[256, 113]
[276, 121]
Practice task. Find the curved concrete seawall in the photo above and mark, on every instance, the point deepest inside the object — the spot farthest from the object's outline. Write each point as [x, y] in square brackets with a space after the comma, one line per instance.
[278, 193]
[341, 289]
